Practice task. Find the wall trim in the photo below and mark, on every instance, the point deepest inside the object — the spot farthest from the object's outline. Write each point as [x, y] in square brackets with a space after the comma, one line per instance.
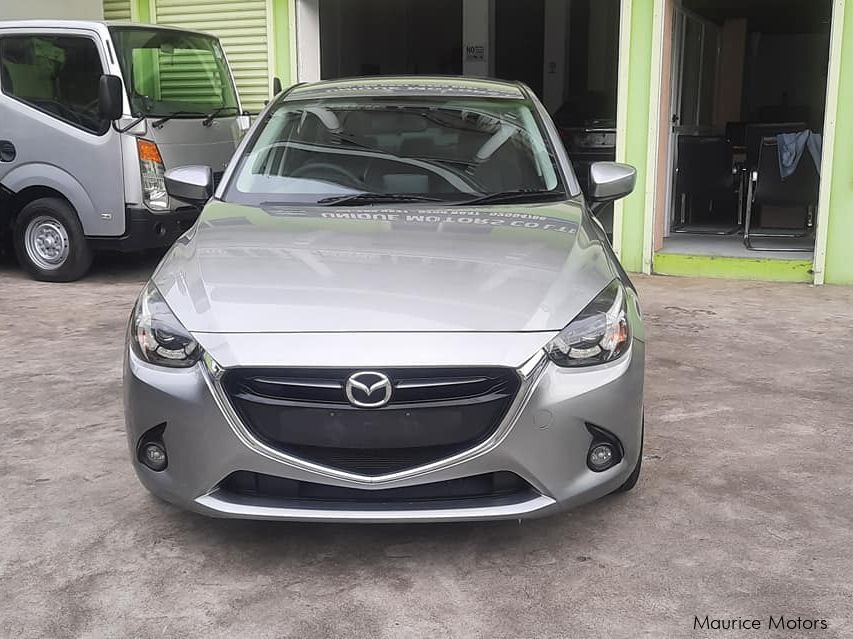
[623, 78]
[833, 82]
[652, 160]
[733, 268]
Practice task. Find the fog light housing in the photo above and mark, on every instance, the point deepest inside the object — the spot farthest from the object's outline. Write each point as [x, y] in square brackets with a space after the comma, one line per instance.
[154, 456]
[605, 449]
[151, 451]
[601, 457]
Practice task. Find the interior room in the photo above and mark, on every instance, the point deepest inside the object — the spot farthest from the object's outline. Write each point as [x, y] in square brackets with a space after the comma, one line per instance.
[390, 37]
[747, 102]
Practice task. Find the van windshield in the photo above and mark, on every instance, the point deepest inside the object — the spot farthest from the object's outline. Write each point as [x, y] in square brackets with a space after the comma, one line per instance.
[426, 148]
[170, 73]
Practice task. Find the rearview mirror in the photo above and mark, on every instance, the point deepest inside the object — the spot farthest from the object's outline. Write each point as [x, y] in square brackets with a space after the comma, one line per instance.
[110, 97]
[193, 184]
[276, 86]
[610, 181]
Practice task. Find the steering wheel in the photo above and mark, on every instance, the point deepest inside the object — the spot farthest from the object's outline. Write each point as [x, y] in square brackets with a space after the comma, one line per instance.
[327, 171]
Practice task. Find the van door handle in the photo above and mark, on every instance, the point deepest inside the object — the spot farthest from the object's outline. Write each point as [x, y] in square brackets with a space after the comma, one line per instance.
[7, 151]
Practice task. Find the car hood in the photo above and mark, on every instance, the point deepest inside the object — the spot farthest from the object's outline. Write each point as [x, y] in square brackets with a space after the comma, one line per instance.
[277, 269]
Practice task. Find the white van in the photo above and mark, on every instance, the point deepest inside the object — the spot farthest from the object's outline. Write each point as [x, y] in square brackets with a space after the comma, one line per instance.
[91, 116]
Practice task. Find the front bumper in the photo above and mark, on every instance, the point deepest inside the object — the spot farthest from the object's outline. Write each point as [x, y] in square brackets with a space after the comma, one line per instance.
[145, 230]
[543, 439]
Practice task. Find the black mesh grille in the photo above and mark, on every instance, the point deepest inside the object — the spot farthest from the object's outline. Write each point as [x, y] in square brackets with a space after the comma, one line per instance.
[491, 485]
[432, 414]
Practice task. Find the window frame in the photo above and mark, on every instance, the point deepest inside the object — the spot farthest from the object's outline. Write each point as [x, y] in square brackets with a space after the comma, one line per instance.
[92, 36]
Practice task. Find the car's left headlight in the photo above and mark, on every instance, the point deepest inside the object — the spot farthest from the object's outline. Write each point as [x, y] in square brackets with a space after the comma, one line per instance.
[157, 336]
[598, 335]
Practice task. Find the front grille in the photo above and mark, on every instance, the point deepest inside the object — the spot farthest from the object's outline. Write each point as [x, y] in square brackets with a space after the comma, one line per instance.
[480, 487]
[433, 414]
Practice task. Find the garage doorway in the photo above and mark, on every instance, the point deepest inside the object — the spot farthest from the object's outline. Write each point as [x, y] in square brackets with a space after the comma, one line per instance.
[566, 51]
[747, 102]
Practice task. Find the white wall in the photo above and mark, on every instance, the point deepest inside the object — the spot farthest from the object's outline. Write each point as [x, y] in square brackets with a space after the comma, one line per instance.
[556, 38]
[51, 9]
[478, 34]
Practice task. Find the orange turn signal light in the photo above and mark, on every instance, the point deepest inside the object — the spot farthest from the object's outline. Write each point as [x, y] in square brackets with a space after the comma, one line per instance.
[148, 151]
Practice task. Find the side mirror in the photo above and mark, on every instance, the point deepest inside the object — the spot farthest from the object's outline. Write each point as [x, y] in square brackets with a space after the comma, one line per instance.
[192, 184]
[276, 86]
[610, 181]
[110, 97]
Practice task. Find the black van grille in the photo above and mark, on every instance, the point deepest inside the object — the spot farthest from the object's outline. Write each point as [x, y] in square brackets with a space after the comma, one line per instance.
[432, 414]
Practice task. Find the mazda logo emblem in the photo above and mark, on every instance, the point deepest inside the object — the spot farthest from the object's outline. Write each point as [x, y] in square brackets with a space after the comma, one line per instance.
[368, 389]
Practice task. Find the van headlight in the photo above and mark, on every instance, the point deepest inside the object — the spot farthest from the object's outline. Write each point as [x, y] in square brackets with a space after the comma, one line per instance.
[157, 336]
[152, 172]
[599, 334]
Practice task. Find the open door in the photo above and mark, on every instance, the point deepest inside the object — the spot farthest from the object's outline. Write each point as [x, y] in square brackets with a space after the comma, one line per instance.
[695, 61]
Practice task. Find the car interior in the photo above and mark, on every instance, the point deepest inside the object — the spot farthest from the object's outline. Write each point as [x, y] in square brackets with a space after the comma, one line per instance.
[412, 150]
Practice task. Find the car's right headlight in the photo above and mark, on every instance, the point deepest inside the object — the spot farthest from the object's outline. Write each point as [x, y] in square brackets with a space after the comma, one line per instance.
[599, 334]
[157, 336]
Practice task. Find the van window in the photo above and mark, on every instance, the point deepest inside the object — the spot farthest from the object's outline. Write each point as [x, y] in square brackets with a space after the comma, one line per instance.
[58, 75]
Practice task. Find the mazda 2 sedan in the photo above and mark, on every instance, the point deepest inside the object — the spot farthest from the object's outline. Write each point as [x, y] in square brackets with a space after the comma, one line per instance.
[398, 306]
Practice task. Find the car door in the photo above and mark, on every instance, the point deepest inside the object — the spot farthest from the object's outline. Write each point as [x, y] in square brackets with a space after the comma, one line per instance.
[51, 134]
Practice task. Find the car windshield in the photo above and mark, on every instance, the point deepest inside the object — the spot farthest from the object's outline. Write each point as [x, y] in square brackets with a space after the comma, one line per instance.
[174, 73]
[373, 149]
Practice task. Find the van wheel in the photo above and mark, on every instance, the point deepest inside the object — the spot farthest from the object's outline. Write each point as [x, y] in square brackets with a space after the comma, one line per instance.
[50, 243]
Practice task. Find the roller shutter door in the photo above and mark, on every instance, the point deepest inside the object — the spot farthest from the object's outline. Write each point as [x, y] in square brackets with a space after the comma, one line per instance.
[242, 28]
[118, 10]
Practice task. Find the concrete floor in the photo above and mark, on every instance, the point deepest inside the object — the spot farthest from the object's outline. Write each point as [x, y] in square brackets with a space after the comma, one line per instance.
[733, 246]
[744, 507]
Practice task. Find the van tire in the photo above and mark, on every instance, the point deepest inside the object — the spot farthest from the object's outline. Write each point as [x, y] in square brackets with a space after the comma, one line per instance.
[49, 241]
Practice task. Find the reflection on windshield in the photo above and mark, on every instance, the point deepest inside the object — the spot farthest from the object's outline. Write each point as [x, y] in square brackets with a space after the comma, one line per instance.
[446, 150]
[174, 73]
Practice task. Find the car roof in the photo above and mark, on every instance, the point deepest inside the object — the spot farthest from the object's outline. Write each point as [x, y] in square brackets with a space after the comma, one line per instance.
[408, 86]
[88, 24]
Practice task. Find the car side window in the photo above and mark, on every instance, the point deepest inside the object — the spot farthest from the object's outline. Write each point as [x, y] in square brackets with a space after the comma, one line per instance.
[58, 75]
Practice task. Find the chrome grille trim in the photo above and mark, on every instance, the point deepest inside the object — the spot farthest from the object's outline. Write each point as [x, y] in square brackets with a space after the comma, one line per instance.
[213, 374]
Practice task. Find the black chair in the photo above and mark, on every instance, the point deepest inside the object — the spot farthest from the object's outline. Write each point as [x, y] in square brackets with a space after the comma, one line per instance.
[736, 133]
[800, 190]
[755, 133]
[705, 173]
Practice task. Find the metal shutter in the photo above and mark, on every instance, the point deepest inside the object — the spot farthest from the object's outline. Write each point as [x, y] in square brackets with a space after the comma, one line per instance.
[242, 28]
[118, 10]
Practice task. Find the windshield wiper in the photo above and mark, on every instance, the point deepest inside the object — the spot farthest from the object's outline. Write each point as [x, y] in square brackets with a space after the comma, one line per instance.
[209, 119]
[174, 114]
[518, 195]
[361, 199]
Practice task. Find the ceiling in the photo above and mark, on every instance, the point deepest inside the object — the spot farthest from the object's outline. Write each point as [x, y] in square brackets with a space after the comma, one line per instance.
[769, 16]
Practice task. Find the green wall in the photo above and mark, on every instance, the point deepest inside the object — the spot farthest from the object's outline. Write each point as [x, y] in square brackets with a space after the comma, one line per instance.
[282, 63]
[839, 260]
[637, 132]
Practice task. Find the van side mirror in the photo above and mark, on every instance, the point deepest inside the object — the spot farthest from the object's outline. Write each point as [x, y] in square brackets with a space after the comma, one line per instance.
[276, 86]
[610, 181]
[192, 184]
[110, 97]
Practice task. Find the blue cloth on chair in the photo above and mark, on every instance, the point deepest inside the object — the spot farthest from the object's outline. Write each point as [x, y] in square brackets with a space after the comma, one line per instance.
[791, 148]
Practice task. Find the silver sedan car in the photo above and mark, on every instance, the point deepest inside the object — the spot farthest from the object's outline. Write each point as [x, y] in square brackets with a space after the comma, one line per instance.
[397, 306]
